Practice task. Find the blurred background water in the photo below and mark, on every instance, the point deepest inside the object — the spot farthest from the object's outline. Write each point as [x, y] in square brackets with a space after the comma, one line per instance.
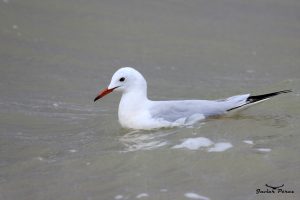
[55, 56]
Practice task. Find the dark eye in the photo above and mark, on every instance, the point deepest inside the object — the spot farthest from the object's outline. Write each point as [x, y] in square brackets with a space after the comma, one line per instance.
[122, 79]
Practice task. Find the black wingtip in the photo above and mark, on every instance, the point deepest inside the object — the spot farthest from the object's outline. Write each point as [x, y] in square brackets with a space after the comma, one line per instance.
[253, 99]
[258, 98]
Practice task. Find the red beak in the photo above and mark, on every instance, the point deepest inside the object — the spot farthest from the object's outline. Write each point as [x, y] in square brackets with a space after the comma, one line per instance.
[103, 93]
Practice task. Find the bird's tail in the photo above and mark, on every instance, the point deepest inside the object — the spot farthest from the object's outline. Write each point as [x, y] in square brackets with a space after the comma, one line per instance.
[251, 100]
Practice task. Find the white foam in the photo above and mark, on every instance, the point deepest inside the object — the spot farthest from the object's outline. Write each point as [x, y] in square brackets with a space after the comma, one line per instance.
[248, 141]
[219, 147]
[72, 150]
[264, 149]
[194, 143]
[55, 105]
[40, 158]
[142, 195]
[119, 197]
[192, 195]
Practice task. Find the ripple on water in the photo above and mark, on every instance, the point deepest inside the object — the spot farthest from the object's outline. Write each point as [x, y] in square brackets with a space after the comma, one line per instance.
[248, 141]
[135, 140]
[192, 195]
[219, 147]
[142, 195]
[119, 197]
[264, 150]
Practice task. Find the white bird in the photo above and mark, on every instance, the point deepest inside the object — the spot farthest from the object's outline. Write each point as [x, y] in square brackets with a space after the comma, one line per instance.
[136, 111]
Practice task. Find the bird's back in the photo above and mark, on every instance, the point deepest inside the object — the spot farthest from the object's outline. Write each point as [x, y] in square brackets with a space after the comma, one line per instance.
[174, 110]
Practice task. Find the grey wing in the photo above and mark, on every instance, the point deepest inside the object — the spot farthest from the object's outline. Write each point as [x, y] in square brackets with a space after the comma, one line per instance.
[174, 110]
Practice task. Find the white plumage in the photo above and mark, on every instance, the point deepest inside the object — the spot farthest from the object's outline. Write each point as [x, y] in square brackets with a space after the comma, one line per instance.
[136, 111]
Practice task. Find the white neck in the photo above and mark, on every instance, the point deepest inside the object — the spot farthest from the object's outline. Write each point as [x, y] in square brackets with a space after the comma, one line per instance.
[133, 99]
[132, 104]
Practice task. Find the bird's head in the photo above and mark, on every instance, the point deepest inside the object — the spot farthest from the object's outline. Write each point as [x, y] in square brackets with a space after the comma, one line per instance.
[125, 79]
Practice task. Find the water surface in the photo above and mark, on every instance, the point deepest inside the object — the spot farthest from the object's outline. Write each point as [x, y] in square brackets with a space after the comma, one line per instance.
[55, 56]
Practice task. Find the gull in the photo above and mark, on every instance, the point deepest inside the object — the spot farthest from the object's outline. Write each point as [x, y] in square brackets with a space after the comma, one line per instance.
[136, 111]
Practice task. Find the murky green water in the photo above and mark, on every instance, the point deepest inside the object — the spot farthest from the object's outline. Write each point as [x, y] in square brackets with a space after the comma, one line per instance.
[55, 56]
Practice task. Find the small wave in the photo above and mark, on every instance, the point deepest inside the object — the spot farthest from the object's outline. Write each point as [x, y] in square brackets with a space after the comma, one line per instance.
[192, 195]
[52, 109]
[135, 140]
[219, 147]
